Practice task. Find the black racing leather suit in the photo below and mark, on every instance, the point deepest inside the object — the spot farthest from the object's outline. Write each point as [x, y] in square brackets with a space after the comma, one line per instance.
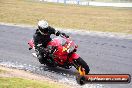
[44, 40]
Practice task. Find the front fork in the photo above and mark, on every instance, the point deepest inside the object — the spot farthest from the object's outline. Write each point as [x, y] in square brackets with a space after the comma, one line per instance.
[75, 64]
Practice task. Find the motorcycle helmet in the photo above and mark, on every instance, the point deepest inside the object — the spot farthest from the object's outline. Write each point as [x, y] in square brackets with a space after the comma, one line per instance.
[43, 26]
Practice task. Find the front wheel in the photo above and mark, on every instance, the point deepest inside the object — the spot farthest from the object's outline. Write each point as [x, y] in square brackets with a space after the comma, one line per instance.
[80, 62]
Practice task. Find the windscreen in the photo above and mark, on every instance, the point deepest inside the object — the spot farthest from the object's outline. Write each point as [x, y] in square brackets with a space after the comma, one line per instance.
[61, 40]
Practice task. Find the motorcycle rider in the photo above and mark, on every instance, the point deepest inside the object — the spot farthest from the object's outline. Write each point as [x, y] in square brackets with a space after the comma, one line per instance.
[42, 38]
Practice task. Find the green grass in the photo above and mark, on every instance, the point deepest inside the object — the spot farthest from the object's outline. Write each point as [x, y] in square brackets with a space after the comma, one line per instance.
[25, 83]
[67, 16]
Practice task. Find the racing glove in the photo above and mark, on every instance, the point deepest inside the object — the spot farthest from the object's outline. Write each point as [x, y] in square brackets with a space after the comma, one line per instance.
[65, 35]
[58, 33]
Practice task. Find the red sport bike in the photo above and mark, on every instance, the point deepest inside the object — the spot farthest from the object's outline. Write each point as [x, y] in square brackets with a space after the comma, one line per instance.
[62, 54]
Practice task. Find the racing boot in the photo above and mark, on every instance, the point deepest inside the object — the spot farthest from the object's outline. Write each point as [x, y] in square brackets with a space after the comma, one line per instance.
[41, 58]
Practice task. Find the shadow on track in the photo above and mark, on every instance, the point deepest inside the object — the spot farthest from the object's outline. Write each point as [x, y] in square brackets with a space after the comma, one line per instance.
[59, 70]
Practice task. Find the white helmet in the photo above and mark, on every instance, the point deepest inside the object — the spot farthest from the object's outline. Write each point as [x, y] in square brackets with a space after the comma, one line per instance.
[42, 26]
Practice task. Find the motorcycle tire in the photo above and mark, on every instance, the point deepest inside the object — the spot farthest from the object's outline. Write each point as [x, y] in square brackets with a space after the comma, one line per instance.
[80, 62]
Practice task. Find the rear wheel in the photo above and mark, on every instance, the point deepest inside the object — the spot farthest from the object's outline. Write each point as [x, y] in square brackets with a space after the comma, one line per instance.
[80, 62]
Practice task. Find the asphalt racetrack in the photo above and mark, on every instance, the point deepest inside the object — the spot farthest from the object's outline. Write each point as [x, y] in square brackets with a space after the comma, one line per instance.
[104, 55]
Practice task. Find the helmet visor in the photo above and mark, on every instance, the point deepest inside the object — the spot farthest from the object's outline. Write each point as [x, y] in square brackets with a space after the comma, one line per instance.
[43, 30]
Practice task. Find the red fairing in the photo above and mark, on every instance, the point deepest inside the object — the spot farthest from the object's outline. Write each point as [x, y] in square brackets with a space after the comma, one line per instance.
[31, 43]
[63, 48]
[55, 42]
[61, 55]
[74, 56]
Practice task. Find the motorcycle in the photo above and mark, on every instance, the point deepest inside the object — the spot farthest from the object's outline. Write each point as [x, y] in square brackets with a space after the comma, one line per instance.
[62, 53]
